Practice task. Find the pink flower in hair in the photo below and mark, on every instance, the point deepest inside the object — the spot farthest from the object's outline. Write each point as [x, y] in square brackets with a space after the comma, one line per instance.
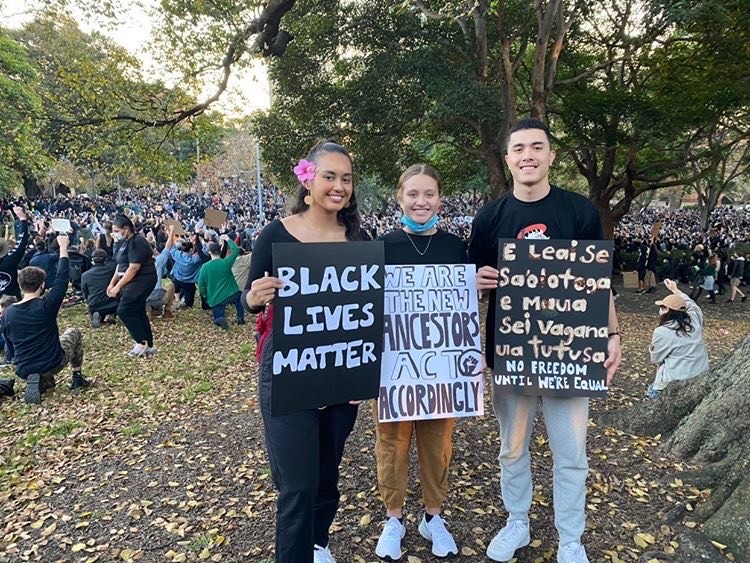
[305, 170]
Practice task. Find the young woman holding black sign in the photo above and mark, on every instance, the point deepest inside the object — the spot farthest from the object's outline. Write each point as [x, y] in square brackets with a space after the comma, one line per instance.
[418, 242]
[304, 448]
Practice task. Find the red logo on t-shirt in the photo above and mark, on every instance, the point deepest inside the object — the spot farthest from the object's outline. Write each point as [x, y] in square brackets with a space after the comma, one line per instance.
[535, 231]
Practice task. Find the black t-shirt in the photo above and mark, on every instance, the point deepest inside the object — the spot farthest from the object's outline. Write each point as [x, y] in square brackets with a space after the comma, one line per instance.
[261, 261]
[559, 215]
[440, 248]
[136, 250]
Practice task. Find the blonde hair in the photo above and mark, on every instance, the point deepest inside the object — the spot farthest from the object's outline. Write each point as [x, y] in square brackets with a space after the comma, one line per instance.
[416, 170]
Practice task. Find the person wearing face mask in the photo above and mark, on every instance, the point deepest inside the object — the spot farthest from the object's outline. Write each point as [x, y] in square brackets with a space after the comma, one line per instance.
[304, 447]
[132, 282]
[418, 242]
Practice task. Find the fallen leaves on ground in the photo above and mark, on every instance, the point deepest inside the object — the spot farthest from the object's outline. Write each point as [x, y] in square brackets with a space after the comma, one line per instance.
[163, 460]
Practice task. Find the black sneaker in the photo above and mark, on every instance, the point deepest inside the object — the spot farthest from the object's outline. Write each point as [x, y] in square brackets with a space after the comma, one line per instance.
[78, 382]
[46, 383]
[6, 387]
[96, 320]
[33, 394]
[744, 298]
[241, 322]
[223, 324]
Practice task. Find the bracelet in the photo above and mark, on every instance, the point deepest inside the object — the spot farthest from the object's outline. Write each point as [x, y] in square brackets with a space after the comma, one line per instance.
[611, 334]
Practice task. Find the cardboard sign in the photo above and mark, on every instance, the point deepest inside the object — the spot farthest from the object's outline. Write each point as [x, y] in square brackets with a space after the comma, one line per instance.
[552, 312]
[226, 198]
[432, 358]
[215, 218]
[61, 226]
[655, 230]
[327, 324]
[178, 230]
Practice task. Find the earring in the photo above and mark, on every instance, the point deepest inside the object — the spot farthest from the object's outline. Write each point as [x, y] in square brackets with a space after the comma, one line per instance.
[308, 199]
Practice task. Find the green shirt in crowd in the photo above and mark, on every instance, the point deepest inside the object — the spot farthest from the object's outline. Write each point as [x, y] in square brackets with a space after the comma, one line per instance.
[216, 281]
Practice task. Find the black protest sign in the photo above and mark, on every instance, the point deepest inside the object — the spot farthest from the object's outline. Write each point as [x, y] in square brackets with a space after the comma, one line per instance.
[327, 324]
[551, 317]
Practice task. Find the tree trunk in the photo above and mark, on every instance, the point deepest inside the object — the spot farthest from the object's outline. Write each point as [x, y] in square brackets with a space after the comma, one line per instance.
[493, 158]
[707, 421]
[31, 188]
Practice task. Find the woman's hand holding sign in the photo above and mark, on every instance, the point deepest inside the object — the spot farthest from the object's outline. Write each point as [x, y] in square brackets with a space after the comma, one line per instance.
[262, 291]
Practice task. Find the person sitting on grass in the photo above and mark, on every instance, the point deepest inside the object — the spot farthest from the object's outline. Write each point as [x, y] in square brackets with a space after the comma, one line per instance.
[6, 384]
[677, 345]
[217, 284]
[159, 302]
[31, 334]
[94, 284]
[5, 302]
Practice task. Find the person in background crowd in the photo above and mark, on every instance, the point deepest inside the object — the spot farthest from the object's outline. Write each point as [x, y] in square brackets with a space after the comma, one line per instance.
[133, 281]
[187, 267]
[159, 301]
[735, 277]
[105, 241]
[10, 259]
[5, 302]
[708, 280]
[94, 284]
[217, 283]
[418, 242]
[677, 345]
[304, 447]
[46, 258]
[31, 334]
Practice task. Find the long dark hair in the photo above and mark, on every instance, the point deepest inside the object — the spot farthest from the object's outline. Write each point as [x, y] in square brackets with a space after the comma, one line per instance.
[122, 221]
[349, 215]
[679, 321]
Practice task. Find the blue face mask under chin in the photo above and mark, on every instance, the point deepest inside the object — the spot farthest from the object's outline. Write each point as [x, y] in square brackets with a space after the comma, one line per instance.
[417, 227]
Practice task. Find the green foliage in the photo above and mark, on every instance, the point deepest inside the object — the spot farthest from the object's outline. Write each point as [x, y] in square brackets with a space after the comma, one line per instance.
[21, 152]
[91, 101]
[385, 83]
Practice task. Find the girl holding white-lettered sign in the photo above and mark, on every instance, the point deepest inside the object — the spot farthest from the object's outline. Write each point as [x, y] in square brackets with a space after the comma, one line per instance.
[304, 447]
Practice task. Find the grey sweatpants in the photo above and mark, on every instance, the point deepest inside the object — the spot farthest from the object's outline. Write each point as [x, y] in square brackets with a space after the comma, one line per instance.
[566, 419]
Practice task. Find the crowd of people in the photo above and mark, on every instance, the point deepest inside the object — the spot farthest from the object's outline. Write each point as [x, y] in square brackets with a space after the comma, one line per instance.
[153, 251]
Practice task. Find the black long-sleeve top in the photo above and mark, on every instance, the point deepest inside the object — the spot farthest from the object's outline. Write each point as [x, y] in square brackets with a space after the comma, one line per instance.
[30, 328]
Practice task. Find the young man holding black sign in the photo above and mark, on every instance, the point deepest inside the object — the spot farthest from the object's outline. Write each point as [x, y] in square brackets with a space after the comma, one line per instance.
[537, 210]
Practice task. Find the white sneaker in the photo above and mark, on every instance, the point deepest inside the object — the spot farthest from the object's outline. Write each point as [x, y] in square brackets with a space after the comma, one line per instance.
[138, 351]
[389, 542]
[322, 555]
[572, 552]
[443, 543]
[513, 536]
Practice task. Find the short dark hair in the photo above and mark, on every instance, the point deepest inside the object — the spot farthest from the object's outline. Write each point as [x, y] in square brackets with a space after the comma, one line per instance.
[529, 123]
[31, 278]
[99, 256]
[214, 248]
[7, 300]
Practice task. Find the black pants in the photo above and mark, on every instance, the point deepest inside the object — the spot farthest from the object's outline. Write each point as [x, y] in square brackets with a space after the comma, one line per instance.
[132, 309]
[186, 291]
[105, 310]
[305, 450]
